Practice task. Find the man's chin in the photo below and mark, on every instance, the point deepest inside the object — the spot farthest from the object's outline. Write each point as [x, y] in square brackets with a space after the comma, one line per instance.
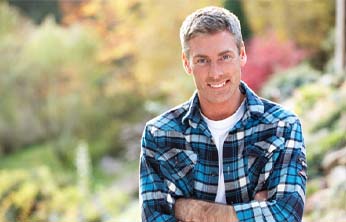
[219, 99]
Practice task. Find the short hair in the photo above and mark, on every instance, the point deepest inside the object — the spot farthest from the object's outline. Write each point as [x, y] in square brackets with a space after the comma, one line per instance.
[210, 20]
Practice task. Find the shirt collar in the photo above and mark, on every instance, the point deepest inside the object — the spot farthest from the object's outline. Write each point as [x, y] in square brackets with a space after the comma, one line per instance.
[193, 116]
[253, 106]
[253, 103]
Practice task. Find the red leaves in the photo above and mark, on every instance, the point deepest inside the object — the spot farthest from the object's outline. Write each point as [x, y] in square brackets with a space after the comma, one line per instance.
[267, 55]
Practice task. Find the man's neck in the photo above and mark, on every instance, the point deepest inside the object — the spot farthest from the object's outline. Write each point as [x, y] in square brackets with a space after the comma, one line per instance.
[220, 111]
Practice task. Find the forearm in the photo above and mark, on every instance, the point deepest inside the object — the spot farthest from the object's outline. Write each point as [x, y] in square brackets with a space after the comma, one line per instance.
[287, 208]
[198, 210]
[202, 211]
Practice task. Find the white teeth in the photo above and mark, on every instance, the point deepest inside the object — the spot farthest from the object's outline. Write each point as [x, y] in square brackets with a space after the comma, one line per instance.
[218, 85]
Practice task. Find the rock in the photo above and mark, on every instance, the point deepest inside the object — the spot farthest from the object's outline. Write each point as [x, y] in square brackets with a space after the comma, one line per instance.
[110, 166]
[318, 201]
[333, 215]
[333, 159]
[128, 183]
[131, 136]
[336, 176]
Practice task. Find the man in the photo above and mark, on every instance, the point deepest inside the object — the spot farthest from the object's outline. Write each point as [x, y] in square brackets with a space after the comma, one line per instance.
[226, 154]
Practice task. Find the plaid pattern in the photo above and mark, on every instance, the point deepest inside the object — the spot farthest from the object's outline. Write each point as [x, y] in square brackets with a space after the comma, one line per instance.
[264, 151]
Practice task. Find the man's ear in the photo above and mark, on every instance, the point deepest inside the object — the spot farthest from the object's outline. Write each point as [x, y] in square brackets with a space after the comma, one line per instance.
[186, 63]
[243, 56]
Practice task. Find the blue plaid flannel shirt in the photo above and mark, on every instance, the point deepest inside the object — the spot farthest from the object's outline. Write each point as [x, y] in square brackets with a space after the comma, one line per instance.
[263, 151]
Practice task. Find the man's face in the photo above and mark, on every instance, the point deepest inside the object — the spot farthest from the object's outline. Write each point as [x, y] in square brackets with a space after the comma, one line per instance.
[215, 63]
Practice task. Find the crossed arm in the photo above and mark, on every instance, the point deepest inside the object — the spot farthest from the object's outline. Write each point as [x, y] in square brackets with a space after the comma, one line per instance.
[191, 210]
[161, 198]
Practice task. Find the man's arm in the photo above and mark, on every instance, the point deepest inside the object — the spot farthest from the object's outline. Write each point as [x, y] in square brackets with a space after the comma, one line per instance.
[156, 203]
[198, 210]
[285, 186]
[166, 173]
[202, 211]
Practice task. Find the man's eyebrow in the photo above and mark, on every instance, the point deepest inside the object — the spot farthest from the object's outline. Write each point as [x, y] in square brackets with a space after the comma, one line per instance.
[219, 54]
[225, 52]
[200, 56]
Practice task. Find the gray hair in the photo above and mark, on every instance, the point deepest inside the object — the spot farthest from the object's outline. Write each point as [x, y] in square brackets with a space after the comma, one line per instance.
[209, 20]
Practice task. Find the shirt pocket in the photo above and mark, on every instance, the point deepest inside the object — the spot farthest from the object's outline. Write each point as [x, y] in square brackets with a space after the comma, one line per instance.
[260, 161]
[177, 166]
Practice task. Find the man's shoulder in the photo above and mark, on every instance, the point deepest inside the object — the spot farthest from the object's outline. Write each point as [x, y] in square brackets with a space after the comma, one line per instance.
[274, 112]
[267, 111]
[171, 120]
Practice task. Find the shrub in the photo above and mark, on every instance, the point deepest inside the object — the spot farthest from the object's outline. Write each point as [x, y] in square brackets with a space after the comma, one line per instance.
[318, 149]
[54, 88]
[331, 121]
[267, 55]
[35, 196]
[281, 85]
[308, 95]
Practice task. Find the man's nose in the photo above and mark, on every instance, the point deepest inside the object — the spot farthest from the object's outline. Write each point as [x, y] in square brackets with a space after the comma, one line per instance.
[215, 69]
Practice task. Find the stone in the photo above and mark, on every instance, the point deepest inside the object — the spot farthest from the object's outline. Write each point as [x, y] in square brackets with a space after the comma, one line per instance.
[318, 201]
[337, 176]
[110, 165]
[334, 159]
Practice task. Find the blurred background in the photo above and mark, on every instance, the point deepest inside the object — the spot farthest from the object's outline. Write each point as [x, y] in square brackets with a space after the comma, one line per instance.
[79, 79]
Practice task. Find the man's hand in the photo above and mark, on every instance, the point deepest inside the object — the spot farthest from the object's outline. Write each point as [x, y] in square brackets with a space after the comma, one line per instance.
[190, 210]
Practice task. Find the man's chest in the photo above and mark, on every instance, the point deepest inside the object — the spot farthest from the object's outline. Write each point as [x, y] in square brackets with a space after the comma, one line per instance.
[192, 164]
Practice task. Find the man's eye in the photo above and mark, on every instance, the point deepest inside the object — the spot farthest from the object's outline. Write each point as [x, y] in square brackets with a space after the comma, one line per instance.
[201, 61]
[226, 57]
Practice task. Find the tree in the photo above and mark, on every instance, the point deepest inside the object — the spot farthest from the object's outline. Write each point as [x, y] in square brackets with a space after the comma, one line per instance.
[340, 40]
[237, 8]
[307, 29]
[37, 10]
[142, 41]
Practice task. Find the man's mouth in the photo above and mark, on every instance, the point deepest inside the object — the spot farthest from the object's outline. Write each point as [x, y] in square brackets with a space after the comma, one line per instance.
[218, 85]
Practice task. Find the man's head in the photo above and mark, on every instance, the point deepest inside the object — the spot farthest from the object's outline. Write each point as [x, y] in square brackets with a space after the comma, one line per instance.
[214, 53]
[209, 20]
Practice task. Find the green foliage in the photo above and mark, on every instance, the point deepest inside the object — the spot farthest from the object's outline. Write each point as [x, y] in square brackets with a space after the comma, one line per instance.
[319, 101]
[236, 7]
[9, 19]
[283, 84]
[336, 140]
[286, 19]
[308, 95]
[323, 115]
[318, 149]
[35, 195]
[158, 68]
[54, 88]
[313, 186]
[331, 121]
[322, 109]
[37, 83]
[37, 9]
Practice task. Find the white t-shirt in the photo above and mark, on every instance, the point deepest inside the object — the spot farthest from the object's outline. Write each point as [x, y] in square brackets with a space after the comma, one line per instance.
[219, 130]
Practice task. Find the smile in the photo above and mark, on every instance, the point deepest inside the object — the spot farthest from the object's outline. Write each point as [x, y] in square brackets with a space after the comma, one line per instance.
[220, 85]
